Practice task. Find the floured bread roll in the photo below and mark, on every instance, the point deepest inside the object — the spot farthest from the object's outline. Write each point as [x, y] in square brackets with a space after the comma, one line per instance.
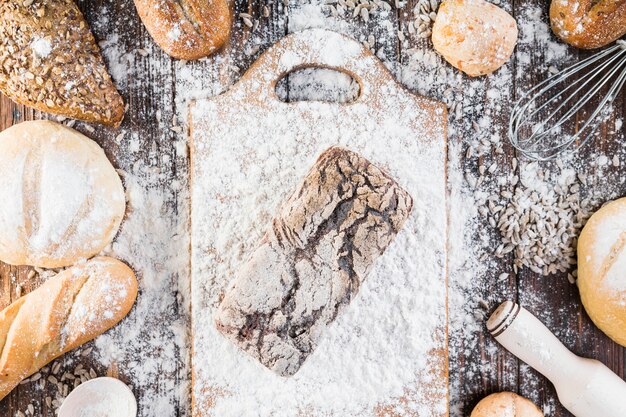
[63, 200]
[506, 404]
[602, 269]
[474, 36]
[588, 23]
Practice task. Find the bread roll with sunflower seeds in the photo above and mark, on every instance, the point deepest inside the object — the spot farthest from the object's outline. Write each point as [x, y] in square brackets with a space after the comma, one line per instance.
[49, 60]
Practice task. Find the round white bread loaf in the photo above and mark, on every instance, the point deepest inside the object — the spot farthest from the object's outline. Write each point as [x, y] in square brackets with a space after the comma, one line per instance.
[602, 269]
[62, 199]
[506, 404]
[474, 36]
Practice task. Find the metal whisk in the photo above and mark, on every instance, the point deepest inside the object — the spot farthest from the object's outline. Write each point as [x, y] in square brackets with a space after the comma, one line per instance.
[540, 119]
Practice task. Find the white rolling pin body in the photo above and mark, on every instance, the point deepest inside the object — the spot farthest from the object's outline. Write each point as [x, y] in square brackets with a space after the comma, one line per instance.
[586, 387]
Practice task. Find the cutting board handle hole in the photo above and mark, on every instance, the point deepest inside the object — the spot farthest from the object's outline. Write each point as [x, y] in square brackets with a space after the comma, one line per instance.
[318, 84]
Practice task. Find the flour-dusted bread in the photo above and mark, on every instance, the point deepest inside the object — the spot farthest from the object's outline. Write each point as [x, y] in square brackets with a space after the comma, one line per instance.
[602, 269]
[506, 404]
[187, 29]
[588, 23]
[67, 311]
[313, 259]
[474, 36]
[62, 199]
[49, 60]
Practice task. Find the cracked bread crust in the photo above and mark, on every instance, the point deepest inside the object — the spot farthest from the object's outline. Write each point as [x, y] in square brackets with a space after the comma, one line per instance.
[312, 260]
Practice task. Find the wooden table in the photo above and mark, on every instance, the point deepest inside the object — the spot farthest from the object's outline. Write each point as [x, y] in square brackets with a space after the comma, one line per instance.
[155, 83]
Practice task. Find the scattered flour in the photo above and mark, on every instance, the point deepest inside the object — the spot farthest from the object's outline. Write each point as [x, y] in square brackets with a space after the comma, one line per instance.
[151, 346]
[42, 47]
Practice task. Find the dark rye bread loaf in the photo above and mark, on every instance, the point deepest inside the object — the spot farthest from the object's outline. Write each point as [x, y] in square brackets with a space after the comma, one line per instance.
[312, 260]
[49, 60]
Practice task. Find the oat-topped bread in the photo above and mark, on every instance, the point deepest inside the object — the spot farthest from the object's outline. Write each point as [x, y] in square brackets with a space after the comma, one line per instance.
[49, 60]
[313, 259]
[187, 29]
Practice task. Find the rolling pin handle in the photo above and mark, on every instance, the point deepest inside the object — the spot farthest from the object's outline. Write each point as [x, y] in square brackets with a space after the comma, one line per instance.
[586, 387]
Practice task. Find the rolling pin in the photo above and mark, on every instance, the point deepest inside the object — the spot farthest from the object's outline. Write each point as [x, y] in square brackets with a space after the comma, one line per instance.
[586, 387]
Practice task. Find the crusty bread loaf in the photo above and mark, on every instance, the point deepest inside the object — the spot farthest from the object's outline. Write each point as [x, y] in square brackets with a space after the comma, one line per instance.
[506, 404]
[313, 259]
[474, 36]
[67, 311]
[49, 60]
[187, 29]
[602, 269]
[588, 23]
[65, 200]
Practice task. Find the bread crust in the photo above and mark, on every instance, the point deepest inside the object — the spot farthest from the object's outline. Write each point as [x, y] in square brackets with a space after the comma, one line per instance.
[187, 29]
[474, 36]
[67, 201]
[314, 257]
[588, 24]
[68, 310]
[601, 257]
[49, 60]
[506, 404]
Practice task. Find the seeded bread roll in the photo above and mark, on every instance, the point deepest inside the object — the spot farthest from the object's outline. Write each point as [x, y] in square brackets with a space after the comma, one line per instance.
[67, 311]
[187, 29]
[588, 24]
[602, 269]
[506, 404]
[49, 60]
[66, 199]
[313, 259]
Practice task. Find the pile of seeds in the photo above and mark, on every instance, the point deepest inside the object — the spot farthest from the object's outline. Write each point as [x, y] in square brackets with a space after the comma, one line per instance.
[540, 221]
[363, 9]
[64, 382]
[425, 13]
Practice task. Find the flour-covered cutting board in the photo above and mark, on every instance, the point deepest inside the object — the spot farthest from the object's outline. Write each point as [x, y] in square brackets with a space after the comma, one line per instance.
[386, 352]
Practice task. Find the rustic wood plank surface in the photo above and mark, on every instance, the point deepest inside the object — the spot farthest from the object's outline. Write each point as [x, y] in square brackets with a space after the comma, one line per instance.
[158, 87]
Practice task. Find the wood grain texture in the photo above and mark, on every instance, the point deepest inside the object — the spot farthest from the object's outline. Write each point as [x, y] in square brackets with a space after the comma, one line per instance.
[553, 299]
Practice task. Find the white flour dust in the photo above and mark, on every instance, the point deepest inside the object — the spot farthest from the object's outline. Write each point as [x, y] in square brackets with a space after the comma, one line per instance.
[151, 346]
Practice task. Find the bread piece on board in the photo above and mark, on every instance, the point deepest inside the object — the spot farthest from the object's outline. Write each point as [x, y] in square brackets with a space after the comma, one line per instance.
[313, 259]
[66, 199]
[49, 60]
[67, 311]
[187, 29]
[588, 24]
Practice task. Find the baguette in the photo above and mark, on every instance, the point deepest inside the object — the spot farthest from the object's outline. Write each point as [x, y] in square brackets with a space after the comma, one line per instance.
[186, 29]
[49, 60]
[588, 24]
[313, 259]
[67, 311]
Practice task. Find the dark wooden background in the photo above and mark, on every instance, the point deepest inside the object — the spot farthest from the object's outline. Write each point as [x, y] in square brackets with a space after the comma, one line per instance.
[153, 84]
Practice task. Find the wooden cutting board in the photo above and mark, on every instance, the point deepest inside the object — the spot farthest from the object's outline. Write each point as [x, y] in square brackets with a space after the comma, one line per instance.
[249, 150]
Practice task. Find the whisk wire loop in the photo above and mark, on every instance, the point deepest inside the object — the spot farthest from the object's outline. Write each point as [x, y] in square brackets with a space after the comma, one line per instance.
[560, 97]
